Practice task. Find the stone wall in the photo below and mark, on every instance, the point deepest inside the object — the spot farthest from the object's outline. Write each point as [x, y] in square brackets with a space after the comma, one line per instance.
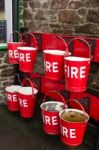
[6, 74]
[71, 17]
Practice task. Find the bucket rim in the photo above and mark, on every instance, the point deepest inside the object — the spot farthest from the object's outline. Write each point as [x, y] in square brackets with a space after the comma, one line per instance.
[15, 88]
[28, 48]
[41, 106]
[55, 52]
[75, 58]
[76, 110]
[20, 91]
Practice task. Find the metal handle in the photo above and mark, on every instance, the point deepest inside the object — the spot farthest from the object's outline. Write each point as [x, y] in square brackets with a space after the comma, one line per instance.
[31, 84]
[83, 40]
[57, 36]
[53, 91]
[82, 108]
[35, 41]
[66, 45]
[17, 75]
[16, 32]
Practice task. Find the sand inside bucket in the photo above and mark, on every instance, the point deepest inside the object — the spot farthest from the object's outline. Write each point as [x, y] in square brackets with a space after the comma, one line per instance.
[73, 116]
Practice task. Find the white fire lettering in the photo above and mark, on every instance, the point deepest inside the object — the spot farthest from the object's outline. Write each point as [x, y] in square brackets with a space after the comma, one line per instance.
[10, 53]
[12, 97]
[82, 72]
[24, 58]
[74, 72]
[47, 66]
[21, 57]
[16, 55]
[54, 120]
[51, 67]
[55, 67]
[50, 120]
[23, 103]
[72, 133]
[28, 59]
[69, 133]
[47, 120]
[13, 54]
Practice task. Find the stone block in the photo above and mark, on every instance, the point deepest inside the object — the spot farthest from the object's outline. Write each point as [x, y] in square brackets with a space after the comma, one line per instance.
[93, 15]
[75, 4]
[92, 3]
[45, 15]
[7, 72]
[59, 4]
[45, 4]
[68, 16]
[87, 28]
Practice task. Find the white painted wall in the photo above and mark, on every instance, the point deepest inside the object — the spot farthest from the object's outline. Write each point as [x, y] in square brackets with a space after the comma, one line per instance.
[8, 17]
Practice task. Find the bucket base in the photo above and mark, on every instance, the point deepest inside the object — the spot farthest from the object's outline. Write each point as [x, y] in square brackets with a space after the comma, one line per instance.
[26, 71]
[71, 145]
[51, 133]
[76, 90]
[54, 79]
[13, 110]
[26, 117]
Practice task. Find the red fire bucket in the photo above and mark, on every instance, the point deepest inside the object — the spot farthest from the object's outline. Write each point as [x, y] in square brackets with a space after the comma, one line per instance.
[50, 114]
[27, 56]
[27, 99]
[73, 124]
[13, 49]
[54, 63]
[12, 97]
[76, 72]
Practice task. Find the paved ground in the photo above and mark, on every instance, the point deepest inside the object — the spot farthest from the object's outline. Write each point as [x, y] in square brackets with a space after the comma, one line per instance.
[17, 133]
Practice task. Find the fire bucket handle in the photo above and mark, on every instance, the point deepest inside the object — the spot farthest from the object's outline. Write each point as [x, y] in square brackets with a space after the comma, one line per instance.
[84, 41]
[17, 75]
[16, 32]
[82, 108]
[53, 91]
[66, 45]
[31, 84]
[10, 83]
[32, 35]
[59, 37]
